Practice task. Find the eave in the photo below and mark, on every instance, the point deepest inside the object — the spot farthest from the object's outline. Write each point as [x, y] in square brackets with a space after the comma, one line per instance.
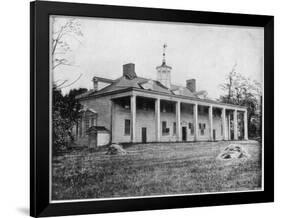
[159, 94]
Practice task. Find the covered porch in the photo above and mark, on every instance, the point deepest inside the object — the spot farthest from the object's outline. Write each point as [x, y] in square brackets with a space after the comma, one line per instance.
[140, 117]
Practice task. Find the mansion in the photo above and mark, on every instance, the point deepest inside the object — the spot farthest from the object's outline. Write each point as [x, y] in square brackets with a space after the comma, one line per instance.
[133, 109]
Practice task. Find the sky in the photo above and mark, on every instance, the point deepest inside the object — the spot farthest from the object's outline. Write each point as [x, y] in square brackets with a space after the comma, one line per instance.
[203, 52]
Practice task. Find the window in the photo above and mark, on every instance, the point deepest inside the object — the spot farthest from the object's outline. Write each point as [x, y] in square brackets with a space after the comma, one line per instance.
[191, 127]
[165, 130]
[174, 128]
[127, 129]
[87, 123]
[93, 121]
[202, 127]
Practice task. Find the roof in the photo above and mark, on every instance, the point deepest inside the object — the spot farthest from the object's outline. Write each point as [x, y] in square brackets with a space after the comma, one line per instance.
[147, 85]
[88, 109]
[180, 90]
[101, 79]
[122, 83]
[97, 129]
[164, 65]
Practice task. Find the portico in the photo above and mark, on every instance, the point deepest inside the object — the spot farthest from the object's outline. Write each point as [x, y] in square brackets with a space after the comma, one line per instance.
[179, 119]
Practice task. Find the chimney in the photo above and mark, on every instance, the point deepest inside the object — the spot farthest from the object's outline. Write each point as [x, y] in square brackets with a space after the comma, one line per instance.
[129, 71]
[95, 82]
[191, 85]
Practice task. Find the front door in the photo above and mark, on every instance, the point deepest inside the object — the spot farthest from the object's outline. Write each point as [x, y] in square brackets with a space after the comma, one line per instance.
[143, 134]
[214, 134]
[184, 133]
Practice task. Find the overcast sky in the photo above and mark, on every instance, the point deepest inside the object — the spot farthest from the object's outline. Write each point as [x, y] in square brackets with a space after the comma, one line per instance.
[203, 52]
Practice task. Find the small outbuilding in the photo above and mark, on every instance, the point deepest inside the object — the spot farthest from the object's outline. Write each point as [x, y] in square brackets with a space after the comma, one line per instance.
[98, 136]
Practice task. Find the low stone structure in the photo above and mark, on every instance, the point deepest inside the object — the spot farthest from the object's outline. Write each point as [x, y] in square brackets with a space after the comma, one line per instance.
[233, 151]
[116, 149]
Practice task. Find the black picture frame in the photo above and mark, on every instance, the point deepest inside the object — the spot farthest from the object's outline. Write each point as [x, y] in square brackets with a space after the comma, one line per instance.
[39, 108]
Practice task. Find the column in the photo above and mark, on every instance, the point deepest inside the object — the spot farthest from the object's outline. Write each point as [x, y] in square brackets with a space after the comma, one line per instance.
[246, 125]
[178, 115]
[235, 125]
[229, 129]
[157, 119]
[211, 123]
[195, 121]
[83, 125]
[112, 121]
[133, 118]
[223, 119]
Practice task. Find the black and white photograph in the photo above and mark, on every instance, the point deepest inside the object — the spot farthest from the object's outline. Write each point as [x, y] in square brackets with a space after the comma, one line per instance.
[145, 109]
[140, 108]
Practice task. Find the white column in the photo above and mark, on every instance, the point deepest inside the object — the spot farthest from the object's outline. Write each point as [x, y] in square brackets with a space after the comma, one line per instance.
[195, 121]
[246, 125]
[235, 125]
[83, 125]
[157, 119]
[133, 118]
[112, 121]
[223, 119]
[178, 115]
[75, 128]
[229, 130]
[211, 123]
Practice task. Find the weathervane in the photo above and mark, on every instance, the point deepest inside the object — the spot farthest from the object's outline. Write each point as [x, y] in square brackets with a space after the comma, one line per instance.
[164, 54]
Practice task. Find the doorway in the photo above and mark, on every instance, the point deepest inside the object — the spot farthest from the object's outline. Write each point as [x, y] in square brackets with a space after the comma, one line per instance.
[143, 134]
[214, 134]
[184, 133]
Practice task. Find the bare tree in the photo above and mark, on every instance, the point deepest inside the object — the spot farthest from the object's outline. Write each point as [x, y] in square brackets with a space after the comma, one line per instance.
[65, 33]
[228, 86]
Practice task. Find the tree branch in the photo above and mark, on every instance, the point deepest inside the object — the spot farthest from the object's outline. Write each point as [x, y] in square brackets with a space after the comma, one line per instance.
[58, 86]
[72, 82]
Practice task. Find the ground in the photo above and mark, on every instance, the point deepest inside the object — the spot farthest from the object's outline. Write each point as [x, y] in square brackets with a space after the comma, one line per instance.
[153, 169]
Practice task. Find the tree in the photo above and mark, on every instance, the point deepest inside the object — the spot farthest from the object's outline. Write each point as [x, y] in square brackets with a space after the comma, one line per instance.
[65, 33]
[73, 106]
[245, 92]
[60, 124]
[65, 115]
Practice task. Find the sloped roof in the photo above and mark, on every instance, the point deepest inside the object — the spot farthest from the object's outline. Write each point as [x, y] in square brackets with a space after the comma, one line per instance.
[181, 90]
[97, 129]
[88, 109]
[139, 83]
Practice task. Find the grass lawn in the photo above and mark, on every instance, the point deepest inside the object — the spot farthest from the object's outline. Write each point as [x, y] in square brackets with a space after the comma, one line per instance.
[153, 169]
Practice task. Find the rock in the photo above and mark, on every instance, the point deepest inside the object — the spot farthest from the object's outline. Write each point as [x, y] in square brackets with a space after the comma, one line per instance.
[226, 156]
[115, 149]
